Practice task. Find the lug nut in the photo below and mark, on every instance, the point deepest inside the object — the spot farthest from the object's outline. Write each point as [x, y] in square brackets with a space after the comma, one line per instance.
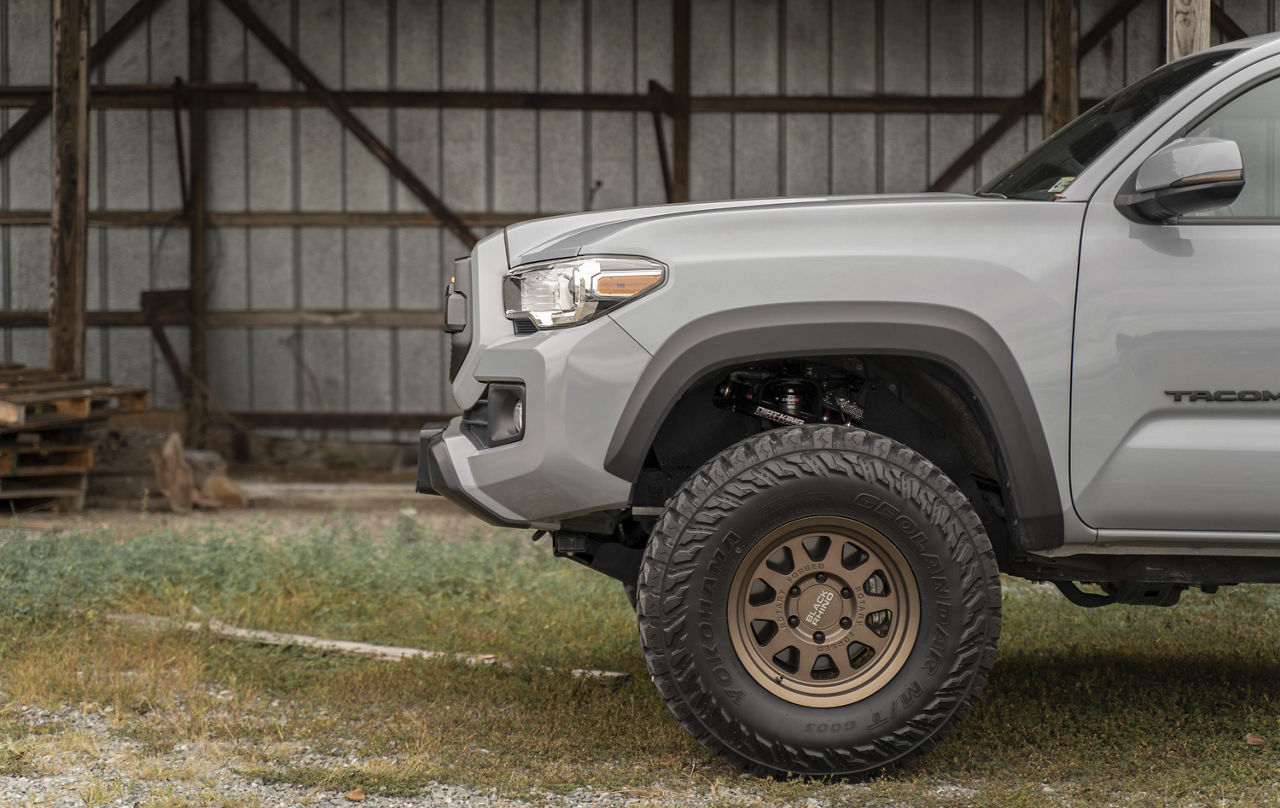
[795, 592]
[820, 577]
[845, 622]
[819, 637]
[793, 621]
[846, 593]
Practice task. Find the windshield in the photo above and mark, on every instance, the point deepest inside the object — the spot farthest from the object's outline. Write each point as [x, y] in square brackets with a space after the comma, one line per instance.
[1052, 167]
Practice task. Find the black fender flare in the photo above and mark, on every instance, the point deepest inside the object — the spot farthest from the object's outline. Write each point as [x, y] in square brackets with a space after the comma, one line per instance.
[957, 339]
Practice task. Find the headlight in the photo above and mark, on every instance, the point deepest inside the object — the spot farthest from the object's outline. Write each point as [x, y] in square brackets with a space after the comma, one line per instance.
[574, 290]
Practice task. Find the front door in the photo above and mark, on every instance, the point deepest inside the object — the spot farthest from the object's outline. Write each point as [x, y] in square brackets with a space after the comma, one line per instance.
[1175, 405]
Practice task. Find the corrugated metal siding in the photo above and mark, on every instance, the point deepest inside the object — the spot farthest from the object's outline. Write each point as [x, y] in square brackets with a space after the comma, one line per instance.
[505, 160]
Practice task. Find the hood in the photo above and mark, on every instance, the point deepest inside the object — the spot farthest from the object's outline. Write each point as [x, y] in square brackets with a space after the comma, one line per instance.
[564, 236]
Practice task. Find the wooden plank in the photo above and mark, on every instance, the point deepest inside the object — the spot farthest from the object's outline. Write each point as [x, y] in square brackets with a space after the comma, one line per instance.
[18, 410]
[27, 472]
[1187, 28]
[681, 55]
[259, 419]
[27, 460]
[1061, 60]
[353, 124]
[257, 318]
[195, 390]
[126, 399]
[40, 386]
[62, 492]
[20, 375]
[161, 97]
[70, 185]
[906, 137]
[315, 218]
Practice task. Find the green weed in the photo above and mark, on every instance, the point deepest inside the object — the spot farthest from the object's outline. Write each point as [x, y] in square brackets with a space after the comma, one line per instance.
[1125, 705]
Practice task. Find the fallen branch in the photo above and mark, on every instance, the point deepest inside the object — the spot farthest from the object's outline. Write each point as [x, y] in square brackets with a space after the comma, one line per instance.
[389, 653]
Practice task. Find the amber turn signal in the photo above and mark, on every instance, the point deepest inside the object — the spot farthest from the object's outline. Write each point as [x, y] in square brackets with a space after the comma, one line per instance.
[625, 284]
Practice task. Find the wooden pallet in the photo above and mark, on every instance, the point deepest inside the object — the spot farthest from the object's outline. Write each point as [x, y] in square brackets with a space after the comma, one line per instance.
[45, 458]
[50, 498]
[54, 402]
[52, 407]
[19, 460]
[123, 399]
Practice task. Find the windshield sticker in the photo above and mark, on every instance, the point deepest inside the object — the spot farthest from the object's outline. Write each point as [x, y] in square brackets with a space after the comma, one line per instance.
[1061, 185]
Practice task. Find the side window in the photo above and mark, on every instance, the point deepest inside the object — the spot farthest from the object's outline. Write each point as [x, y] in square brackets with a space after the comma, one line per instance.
[1252, 120]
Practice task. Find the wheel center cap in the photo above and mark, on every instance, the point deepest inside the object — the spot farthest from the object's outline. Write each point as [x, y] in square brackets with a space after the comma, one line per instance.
[818, 608]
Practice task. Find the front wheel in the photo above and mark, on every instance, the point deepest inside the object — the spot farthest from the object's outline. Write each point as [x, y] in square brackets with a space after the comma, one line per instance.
[819, 600]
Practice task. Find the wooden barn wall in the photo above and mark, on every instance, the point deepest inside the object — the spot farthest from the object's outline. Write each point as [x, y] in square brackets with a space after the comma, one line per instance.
[302, 160]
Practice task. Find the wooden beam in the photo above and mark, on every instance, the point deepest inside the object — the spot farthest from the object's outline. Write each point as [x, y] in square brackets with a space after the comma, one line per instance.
[270, 419]
[365, 219]
[353, 124]
[1227, 25]
[196, 391]
[310, 218]
[681, 55]
[254, 318]
[1061, 84]
[1187, 28]
[1021, 107]
[101, 49]
[663, 102]
[866, 105]
[154, 304]
[243, 96]
[69, 225]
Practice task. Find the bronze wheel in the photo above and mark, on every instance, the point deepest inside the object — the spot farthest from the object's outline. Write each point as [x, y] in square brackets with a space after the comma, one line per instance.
[823, 611]
[819, 600]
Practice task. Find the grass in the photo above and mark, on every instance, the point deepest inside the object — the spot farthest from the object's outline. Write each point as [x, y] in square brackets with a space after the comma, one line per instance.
[1123, 705]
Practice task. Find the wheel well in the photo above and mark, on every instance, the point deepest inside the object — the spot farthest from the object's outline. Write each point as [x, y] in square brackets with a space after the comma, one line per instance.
[918, 402]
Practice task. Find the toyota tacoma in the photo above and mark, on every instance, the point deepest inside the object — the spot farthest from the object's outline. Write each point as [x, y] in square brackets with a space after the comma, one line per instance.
[809, 434]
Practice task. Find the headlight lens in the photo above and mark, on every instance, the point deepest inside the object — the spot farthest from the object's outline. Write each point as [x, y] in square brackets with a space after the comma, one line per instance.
[574, 290]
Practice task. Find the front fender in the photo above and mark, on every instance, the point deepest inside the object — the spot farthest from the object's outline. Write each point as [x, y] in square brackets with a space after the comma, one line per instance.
[952, 337]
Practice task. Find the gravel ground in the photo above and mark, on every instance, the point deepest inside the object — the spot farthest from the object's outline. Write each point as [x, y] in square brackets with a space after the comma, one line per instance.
[91, 765]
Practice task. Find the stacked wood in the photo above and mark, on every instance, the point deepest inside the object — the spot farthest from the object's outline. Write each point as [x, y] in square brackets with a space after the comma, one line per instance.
[45, 456]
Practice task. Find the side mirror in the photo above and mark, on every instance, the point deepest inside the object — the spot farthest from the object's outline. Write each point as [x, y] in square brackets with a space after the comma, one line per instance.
[1188, 175]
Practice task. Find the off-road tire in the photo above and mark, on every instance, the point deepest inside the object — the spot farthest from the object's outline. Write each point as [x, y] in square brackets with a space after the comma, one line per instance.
[804, 475]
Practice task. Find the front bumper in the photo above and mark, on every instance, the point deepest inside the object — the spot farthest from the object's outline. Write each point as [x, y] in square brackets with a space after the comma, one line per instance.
[436, 475]
[576, 383]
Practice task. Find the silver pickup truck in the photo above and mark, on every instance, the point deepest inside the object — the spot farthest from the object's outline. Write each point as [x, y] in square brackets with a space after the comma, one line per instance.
[808, 434]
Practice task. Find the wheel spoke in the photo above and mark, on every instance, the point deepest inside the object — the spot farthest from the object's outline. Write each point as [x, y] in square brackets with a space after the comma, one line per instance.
[764, 611]
[778, 642]
[774, 579]
[863, 634]
[796, 546]
[808, 655]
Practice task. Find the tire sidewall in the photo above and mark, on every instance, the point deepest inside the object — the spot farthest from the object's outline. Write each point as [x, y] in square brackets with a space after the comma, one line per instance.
[928, 533]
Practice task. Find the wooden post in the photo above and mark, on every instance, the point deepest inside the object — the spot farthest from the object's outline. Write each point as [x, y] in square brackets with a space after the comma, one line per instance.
[196, 391]
[1188, 28]
[680, 55]
[1061, 46]
[70, 223]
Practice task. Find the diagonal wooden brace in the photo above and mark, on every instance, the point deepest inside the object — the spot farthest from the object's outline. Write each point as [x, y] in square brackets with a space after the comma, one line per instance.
[354, 125]
[101, 49]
